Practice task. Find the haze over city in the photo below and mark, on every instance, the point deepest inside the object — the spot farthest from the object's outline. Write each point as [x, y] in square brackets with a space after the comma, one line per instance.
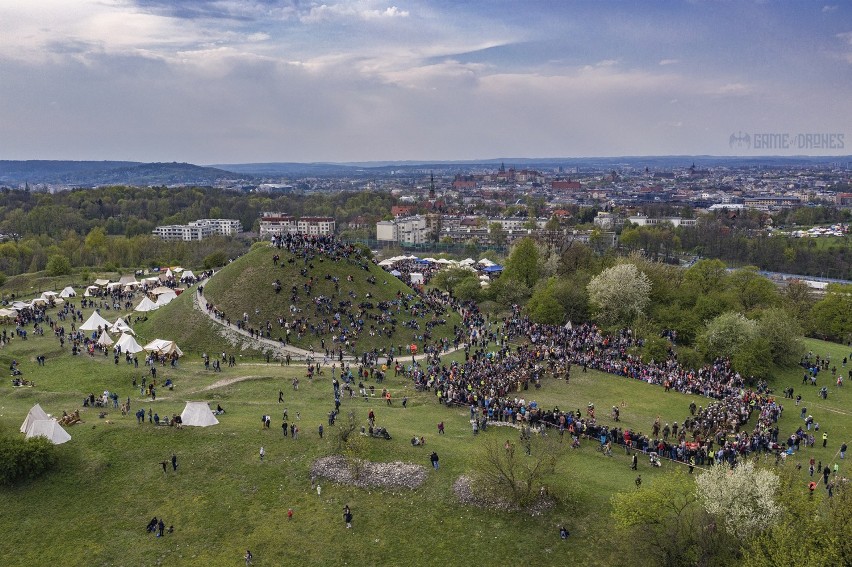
[284, 80]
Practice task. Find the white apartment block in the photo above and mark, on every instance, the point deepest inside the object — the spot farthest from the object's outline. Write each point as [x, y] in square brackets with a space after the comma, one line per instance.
[408, 230]
[386, 231]
[642, 220]
[225, 227]
[272, 224]
[198, 230]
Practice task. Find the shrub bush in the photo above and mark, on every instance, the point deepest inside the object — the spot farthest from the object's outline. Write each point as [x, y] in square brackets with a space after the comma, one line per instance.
[22, 459]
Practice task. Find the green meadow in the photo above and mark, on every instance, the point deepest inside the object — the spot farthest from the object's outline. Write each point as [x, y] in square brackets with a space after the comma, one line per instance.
[92, 509]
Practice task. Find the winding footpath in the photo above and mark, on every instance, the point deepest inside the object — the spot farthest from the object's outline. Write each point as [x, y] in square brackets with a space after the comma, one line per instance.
[263, 344]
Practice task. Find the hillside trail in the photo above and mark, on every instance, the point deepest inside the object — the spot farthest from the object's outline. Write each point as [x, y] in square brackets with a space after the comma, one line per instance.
[199, 302]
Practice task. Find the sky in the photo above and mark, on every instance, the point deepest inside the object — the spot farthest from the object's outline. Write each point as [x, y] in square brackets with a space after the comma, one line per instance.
[237, 81]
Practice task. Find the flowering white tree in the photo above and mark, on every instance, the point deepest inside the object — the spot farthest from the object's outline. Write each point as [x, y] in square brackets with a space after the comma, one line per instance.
[619, 294]
[726, 334]
[744, 498]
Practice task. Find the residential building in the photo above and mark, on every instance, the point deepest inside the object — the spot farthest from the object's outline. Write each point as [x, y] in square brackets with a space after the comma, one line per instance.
[273, 223]
[642, 220]
[198, 230]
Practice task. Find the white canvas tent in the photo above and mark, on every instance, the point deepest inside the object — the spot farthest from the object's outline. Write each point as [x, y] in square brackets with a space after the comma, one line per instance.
[93, 322]
[166, 298]
[49, 294]
[161, 290]
[127, 280]
[101, 282]
[91, 290]
[8, 313]
[68, 292]
[163, 347]
[34, 414]
[49, 428]
[128, 344]
[121, 327]
[187, 275]
[416, 278]
[105, 339]
[146, 305]
[198, 414]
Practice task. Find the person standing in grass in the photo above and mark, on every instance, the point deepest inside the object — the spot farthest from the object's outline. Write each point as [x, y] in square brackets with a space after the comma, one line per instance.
[347, 516]
[262, 453]
[249, 558]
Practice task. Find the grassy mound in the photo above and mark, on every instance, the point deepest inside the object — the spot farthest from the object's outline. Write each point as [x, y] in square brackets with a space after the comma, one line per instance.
[191, 329]
[246, 287]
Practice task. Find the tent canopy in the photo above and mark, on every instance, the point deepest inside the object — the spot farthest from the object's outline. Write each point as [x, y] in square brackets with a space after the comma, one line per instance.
[127, 280]
[146, 305]
[101, 283]
[163, 347]
[68, 292]
[198, 414]
[105, 339]
[166, 298]
[93, 322]
[49, 428]
[128, 344]
[34, 414]
[121, 327]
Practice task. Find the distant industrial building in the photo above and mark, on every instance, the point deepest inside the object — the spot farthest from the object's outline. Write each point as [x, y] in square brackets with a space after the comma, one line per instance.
[199, 230]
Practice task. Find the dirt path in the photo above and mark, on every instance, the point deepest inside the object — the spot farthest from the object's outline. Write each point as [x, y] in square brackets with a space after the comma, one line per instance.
[263, 344]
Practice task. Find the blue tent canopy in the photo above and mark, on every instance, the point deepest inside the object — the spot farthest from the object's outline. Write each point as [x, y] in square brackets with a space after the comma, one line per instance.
[494, 268]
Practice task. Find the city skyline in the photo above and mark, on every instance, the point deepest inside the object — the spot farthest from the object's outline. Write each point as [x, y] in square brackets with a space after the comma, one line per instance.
[209, 81]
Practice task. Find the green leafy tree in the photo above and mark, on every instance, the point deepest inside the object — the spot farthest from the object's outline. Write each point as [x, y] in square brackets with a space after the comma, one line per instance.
[707, 275]
[753, 290]
[497, 234]
[522, 264]
[783, 334]
[664, 524]
[826, 521]
[543, 306]
[726, 334]
[832, 315]
[619, 294]
[58, 265]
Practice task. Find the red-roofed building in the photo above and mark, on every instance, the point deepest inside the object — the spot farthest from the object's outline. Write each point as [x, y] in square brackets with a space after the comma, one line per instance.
[565, 185]
[401, 210]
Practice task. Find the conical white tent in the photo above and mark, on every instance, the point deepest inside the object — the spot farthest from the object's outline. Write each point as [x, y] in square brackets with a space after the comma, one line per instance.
[163, 347]
[105, 339]
[34, 414]
[128, 344]
[68, 292]
[121, 327]
[146, 305]
[93, 322]
[49, 428]
[198, 414]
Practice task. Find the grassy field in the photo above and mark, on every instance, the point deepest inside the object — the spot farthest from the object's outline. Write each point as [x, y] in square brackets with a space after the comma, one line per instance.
[245, 287]
[93, 509]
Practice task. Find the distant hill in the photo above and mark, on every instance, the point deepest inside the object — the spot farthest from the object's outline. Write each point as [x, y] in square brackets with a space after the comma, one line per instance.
[95, 173]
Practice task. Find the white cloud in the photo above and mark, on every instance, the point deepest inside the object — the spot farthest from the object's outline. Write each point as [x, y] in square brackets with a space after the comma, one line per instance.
[829, 8]
[358, 10]
[669, 61]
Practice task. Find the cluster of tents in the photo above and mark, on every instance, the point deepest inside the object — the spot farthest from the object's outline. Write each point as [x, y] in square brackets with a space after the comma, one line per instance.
[485, 266]
[39, 424]
[127, 342]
